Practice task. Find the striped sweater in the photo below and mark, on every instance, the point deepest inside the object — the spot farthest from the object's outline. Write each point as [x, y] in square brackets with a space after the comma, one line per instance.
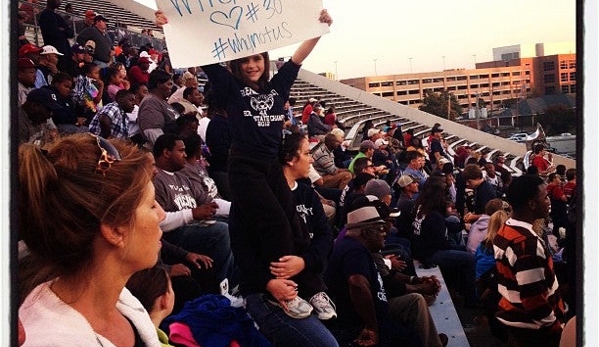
[526, 281]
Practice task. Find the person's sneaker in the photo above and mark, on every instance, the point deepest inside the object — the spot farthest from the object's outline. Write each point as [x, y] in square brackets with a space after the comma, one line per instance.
[298, 308]
[324, 306]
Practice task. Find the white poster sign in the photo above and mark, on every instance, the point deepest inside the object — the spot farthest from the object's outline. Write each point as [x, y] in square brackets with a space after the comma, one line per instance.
[203, 32]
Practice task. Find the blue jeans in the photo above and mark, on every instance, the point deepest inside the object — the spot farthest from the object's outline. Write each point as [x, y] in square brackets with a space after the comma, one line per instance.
[284, 331]
[211, 240]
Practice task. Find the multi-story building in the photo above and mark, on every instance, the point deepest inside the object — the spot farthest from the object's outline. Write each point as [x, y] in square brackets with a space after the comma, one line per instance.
[508, 77]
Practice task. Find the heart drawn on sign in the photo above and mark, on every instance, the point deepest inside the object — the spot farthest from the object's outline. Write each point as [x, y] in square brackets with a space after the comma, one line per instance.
[231, 20]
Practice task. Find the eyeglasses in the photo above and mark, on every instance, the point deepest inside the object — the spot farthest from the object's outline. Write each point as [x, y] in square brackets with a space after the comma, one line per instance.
[109, 155]
[380, 229]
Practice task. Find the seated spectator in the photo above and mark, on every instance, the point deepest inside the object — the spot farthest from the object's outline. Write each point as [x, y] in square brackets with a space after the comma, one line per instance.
[296, 159]
[156, 117]
[330, 118]
[189, 81]
[113, 82]
[88, 91]
[97, 34]
[66, 120]
[431, 245]
[531, 307]
[152, 287]
[307, 110]
[140, 91]
[139, 73]
[479, 229]
[483, 191]
[34, 115]
[486, 273]
[416, 161]
[366, 150]
[405, 203]
[48, 64]
[107, 229]
[365, 314]
[316, 126]
[191, 101]
[111, 121]
[25, 78]
[189, 224]
[324, 163]
[342, 157]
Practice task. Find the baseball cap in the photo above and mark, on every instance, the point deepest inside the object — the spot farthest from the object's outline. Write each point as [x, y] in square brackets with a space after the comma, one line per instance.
[143, 60]
[373, 131]
[27, 49]
[443, 161]
[90, 13]
[25, 63]
[77, 48]
[380, 142]
[437, 130]
[366, 144]
[99, 17]
[45, 97]
[378, 188]
[312, 100]
[49, 49]
[405, 180]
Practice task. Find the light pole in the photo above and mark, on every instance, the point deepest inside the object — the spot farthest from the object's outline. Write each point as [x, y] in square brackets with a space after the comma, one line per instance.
[474, 56]
[443, 63]
[336, 73]
[410, 59]
[375, 73]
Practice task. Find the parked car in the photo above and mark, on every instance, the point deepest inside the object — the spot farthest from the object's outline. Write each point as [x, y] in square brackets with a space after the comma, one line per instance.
[518, 137]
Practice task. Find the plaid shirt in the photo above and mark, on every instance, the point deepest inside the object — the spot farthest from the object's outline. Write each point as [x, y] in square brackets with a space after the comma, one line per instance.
[120, 122]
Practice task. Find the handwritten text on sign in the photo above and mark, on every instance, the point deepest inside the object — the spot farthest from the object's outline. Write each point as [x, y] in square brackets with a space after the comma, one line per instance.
[203, 32]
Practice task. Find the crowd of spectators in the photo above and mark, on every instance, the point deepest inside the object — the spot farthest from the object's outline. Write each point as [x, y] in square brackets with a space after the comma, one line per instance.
[223, 199]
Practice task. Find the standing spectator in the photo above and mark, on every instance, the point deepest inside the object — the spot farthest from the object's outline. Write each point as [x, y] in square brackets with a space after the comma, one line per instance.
[436, 147]
[559, 205]
[324, 163]
[544, 165]
[570, 186]
[56, 32]
[22, 18]
[111, 121]
[218, 140]
[87, 22]
[31, 8]
[156, 117]
[128, 52]
[531, 306]
[103, 44]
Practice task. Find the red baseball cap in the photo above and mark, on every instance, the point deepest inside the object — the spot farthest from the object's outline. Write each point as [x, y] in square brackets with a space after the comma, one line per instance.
[29, 48]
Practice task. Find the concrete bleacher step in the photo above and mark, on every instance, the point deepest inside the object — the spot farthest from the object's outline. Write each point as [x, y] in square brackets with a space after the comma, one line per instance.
[443, 311]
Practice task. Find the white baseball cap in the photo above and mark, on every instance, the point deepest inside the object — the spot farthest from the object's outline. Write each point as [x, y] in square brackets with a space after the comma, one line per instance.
[49, 49]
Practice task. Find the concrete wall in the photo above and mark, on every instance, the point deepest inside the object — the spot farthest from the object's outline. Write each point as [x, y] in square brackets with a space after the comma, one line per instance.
[472, 135]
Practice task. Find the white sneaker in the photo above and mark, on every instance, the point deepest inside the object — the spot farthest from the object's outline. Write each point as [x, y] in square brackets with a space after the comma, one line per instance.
[324, 306]
[298, 308]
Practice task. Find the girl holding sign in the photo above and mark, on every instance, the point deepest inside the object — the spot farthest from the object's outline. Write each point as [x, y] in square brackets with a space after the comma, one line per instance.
[267, 235]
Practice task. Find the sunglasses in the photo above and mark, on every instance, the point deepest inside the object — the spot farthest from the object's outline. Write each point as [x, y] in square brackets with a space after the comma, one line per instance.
[380, 229]
[108, 156]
